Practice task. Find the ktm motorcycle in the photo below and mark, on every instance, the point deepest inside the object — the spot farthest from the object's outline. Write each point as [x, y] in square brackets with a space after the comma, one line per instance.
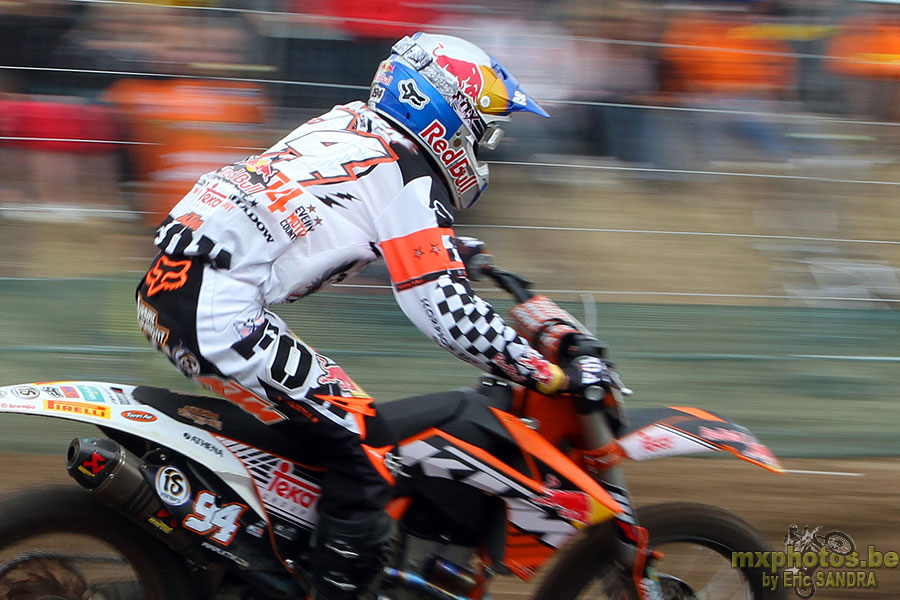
[191, 497]
[836, 542]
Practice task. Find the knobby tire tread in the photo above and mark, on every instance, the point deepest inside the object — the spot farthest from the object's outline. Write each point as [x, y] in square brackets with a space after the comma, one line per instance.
[710, 526]
[68, 509]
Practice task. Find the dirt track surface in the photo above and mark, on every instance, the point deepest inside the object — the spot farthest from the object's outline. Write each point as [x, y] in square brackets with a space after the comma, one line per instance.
[865, 506]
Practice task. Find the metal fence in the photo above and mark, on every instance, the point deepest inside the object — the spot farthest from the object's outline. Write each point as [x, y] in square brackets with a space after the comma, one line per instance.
[808, 381]
[738, 251]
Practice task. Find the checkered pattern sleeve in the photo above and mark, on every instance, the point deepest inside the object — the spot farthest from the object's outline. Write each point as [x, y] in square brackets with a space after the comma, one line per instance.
[417, 242]
[449, 312]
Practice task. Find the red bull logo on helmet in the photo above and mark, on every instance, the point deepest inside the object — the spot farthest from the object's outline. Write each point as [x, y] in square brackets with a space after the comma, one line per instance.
[456, 161]
[471, 81]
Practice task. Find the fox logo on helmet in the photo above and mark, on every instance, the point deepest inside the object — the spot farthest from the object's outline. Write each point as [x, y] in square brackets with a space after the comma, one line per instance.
[410, 94]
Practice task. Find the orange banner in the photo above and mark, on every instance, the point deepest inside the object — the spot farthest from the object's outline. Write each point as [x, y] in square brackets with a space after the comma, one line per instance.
[412, 257]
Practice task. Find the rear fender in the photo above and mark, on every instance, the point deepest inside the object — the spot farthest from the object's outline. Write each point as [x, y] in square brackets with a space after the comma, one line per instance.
[112, 406]
[683, 430]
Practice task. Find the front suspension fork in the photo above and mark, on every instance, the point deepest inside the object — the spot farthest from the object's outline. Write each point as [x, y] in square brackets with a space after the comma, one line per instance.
[632, 549]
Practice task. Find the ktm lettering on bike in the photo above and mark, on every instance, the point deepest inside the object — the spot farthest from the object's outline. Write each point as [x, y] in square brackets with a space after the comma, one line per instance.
[262, 409]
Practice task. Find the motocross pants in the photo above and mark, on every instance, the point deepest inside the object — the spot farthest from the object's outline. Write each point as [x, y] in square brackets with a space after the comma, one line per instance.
[216, 330]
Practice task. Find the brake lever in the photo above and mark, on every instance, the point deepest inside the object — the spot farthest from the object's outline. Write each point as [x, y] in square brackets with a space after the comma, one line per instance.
[617, 380]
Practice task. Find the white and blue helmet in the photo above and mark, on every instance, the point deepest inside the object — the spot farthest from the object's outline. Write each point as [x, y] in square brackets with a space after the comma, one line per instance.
[450, 96]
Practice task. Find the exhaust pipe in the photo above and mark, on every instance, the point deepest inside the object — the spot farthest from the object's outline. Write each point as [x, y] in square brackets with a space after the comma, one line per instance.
[115, 475]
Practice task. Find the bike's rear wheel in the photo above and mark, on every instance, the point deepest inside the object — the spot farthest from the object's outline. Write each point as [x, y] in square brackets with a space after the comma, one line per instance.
[61, 543]
[697, 542]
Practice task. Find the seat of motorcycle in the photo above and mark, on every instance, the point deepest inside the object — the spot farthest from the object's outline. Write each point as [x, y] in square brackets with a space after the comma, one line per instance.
[404, 418]
[217, 416]
[409, 416]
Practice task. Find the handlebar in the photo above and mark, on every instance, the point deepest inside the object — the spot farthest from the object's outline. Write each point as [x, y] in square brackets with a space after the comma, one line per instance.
[580, 342]
[482, 265]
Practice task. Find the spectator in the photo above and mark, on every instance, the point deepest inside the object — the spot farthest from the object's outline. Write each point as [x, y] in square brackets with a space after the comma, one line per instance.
[542, 55]
[867, 54]
[186, 127]
[616, 63]
[48, 156]
[715, 60]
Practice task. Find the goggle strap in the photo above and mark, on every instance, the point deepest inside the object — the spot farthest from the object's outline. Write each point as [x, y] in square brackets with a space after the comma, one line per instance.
[415, 54]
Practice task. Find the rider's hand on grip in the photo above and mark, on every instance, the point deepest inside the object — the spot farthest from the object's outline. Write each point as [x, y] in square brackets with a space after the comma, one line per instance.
[594, 380]
[588, 372]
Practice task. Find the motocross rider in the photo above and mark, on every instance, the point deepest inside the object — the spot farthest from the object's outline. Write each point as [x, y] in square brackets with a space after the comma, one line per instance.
[363, 181]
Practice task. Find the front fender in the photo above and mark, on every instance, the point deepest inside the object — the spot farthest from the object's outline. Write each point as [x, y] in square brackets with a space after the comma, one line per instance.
[682, 430]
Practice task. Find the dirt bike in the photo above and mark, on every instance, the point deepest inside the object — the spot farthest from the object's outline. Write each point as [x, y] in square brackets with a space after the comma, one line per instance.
[813, 542]
[194, 497]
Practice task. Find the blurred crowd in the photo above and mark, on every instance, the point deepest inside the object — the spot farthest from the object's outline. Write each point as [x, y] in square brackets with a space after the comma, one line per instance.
[101, 97]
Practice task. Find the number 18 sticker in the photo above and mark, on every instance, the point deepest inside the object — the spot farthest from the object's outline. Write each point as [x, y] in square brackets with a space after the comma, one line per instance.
[172, 486]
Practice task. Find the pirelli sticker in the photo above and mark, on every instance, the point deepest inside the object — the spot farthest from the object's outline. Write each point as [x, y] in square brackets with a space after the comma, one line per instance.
[77, 408]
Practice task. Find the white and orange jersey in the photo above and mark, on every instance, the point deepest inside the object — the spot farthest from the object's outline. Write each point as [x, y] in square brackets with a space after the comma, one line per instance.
[330, 197]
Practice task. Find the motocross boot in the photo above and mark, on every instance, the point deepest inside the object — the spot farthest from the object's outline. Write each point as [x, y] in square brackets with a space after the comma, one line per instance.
[349, 555]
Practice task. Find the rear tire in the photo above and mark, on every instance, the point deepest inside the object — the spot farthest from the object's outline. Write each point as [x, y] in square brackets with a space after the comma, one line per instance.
[24, 516]
[685, 523]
